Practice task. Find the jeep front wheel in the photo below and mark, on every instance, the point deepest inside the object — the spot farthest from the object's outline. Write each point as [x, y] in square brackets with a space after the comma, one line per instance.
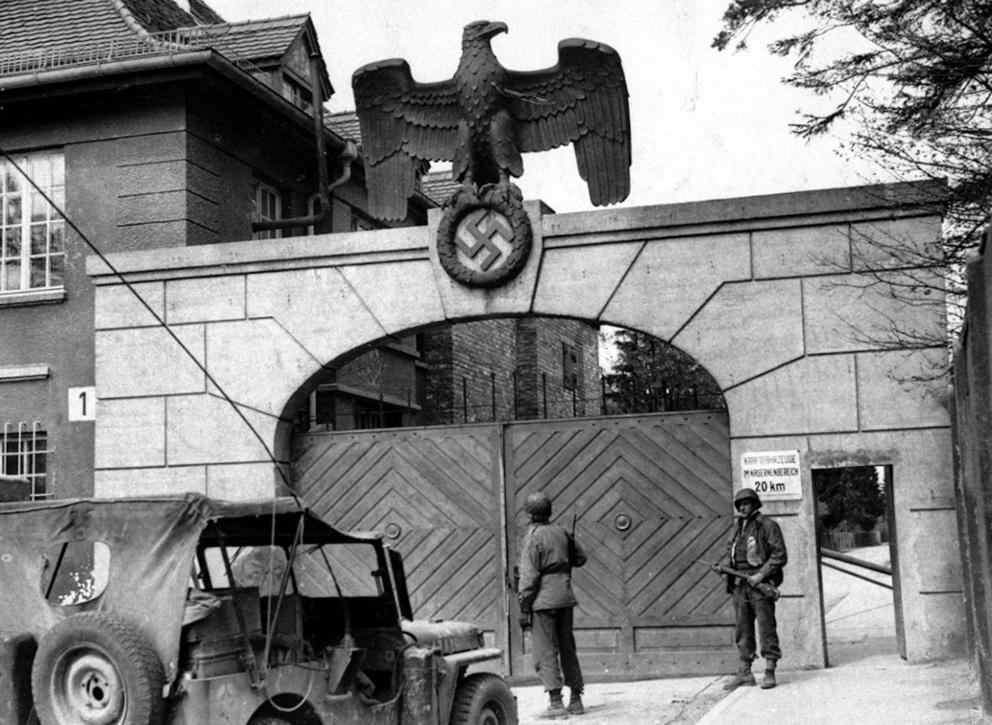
[483, 699]
[96, 669]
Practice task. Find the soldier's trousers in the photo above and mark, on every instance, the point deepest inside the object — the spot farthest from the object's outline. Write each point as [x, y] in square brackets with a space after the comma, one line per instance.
[751, 605]
[554, 649]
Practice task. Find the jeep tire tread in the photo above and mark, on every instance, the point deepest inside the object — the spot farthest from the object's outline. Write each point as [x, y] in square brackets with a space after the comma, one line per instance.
[95, 668]
[483, 699]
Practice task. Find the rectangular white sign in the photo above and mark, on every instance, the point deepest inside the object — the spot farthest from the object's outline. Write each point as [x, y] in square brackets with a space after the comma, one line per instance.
[775, 475]
[82, 403]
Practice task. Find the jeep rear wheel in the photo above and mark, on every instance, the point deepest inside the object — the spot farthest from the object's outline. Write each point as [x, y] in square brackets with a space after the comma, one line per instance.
[96, 669]
[483, 699]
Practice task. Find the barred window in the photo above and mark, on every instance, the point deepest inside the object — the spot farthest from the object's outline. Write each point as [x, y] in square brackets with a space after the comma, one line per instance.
[32, 234]
[24, 454]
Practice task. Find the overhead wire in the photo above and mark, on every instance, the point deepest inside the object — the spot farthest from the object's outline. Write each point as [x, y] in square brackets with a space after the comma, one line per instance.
[158, 319]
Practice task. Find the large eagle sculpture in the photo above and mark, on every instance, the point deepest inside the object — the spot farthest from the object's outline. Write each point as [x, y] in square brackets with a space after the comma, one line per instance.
[485, 117]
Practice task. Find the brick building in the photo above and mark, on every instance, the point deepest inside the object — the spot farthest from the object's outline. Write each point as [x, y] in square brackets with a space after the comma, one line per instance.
[152, 124]
[515, 369]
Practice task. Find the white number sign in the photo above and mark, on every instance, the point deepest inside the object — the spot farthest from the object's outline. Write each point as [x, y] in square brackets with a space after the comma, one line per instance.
[82, 403]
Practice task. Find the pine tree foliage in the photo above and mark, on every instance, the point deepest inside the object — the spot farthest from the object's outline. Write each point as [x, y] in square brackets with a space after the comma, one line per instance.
[652, 376]
[851, 496]
[912, 81]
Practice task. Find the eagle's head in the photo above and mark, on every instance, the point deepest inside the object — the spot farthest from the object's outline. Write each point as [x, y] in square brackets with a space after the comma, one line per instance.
[481, 30]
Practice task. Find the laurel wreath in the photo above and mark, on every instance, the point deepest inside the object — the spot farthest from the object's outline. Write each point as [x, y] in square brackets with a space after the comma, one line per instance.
[507, 203]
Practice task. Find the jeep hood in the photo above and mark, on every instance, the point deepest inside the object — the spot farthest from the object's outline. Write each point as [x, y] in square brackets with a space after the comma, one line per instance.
[449, 637]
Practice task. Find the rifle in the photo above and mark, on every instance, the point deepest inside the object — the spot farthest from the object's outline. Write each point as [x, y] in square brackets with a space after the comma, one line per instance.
[571, 544]
[769, 590]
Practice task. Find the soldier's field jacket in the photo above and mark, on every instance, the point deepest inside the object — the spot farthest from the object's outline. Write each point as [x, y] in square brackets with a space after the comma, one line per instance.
[545, 568]
[761, 544]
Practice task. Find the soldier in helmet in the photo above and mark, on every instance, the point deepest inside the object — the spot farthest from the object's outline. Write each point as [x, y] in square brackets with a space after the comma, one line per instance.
[546, 599]
[758, 551]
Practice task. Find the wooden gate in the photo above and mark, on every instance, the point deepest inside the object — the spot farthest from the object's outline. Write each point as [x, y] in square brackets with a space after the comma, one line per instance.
[650, 495]
[433, 493]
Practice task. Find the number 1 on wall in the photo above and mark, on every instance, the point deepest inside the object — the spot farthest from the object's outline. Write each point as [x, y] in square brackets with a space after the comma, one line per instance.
[82, 403]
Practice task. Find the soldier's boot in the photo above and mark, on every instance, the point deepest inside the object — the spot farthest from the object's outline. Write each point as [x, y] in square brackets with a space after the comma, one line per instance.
[744, 676]
[768, 681]
[556, 708]
[575, 702]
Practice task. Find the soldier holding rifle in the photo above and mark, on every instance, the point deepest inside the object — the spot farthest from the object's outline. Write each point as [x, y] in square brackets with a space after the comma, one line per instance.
[757, 554]
[546, 601]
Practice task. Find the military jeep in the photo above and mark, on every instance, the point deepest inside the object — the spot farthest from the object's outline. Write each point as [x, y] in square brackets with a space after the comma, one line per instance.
[191, 611]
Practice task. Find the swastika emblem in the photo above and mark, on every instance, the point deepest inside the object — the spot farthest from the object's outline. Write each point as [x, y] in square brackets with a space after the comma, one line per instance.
[483, 237]
[484, 240]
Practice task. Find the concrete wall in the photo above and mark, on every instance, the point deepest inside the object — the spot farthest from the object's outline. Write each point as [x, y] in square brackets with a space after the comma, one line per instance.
[973, 464]
[762, 291]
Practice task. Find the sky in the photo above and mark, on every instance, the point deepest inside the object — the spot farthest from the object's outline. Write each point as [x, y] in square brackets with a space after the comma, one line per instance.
[705, 124]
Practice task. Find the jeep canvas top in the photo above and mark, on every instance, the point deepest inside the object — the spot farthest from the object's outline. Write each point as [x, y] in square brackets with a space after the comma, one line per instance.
[190, 611]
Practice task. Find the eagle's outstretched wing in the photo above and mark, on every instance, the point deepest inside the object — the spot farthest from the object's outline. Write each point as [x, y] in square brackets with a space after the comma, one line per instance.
[403, 124]
[581, 100]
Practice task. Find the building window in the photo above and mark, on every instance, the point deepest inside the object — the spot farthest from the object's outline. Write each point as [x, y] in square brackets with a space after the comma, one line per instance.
[296, 94]
[32, 234]
[267, 208]
[24, 454]
[569, 367]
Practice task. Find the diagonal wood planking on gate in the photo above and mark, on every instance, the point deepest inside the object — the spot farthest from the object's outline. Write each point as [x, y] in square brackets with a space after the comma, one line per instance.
[651, 494]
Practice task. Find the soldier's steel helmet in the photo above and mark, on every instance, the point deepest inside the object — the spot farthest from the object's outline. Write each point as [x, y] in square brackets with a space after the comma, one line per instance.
[538, 505]
[747, 494]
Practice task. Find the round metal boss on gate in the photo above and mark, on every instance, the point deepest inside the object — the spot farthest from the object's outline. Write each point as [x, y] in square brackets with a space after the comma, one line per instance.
[484, 241]
[622, 522]
[393, 531]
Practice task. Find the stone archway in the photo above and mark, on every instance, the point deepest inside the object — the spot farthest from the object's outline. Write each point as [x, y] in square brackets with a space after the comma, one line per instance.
[761, 291]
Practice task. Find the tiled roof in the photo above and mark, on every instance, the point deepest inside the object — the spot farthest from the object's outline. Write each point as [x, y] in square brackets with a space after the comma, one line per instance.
[33, 26]
[344, 124]
[252, 39]
[438, 186]
[42, 25]
[43, 34]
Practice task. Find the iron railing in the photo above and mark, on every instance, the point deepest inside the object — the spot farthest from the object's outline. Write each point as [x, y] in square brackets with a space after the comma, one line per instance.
[115, 49]
[829, 556]
[501, 399]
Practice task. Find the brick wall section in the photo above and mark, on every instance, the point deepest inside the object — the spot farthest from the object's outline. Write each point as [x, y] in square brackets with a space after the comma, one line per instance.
[541, 389]
[480, 350]
[435, 352]
[462, 361]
